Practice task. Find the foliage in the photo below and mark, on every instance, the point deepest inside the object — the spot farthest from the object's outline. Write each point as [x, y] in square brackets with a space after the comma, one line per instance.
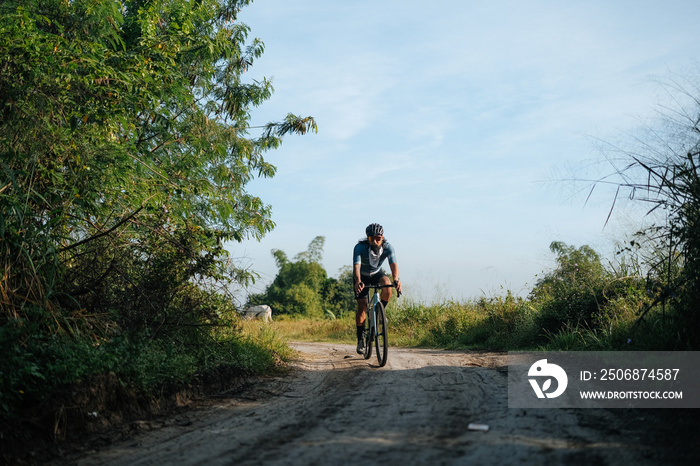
[338, 295]
[661, 169]
[127, 122]
[302, 286]
[496, 323]
[511, 322]
[32, 366]
[125, 153]
[582, 293]
[493, 324]
[572, 293]
[605, 306]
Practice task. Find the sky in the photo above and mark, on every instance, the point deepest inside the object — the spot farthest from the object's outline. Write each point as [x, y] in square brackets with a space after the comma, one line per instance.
[455, 124]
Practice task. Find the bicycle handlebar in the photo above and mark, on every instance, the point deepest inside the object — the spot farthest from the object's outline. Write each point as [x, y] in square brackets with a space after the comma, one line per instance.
[398, 293]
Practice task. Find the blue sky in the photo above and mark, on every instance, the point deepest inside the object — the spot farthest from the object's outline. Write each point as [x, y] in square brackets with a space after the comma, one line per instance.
[450, 123]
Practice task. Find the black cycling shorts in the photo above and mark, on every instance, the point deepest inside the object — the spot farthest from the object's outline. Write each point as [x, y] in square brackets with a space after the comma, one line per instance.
[372, 280]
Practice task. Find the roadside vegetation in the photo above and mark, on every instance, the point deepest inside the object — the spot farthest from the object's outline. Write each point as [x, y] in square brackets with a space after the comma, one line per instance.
[126, 149]
[580, 305]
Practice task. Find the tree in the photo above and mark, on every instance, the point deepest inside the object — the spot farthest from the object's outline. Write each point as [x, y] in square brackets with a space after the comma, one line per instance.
[338, 294]
[302, 286]
[572, 293]
[314, 253]
[126, 151]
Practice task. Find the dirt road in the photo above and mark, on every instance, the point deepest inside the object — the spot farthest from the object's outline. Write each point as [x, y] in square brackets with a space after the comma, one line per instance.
[336, 408]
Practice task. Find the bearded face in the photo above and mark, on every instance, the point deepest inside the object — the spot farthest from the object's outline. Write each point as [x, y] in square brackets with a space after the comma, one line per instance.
[375, 243]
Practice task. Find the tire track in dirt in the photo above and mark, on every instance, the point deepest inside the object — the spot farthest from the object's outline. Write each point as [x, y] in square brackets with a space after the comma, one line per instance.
[337, 408]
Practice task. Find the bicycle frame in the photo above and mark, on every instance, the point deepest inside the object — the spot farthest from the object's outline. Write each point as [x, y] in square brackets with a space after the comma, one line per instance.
[371, 313]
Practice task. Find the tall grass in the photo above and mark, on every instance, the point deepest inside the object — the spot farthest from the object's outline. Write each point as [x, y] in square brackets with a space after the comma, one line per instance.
[504, 323]
[261, 347]
[297, 328]
[580, 305]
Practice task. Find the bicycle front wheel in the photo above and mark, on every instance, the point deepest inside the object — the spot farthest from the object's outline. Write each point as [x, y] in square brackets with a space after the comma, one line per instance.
[367, 335]
[380, 338]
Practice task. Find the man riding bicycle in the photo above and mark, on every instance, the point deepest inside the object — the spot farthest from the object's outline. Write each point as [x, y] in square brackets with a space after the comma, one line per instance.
[368, 256]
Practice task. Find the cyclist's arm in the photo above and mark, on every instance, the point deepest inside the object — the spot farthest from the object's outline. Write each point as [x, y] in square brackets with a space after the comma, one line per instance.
[356, 266]
[357, 282]
[395, 273]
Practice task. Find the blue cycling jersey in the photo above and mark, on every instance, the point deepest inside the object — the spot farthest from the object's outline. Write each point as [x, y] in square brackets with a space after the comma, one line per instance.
[371, 262]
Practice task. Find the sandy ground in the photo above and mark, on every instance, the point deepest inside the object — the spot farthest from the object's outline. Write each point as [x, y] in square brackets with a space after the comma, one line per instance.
[336, 408]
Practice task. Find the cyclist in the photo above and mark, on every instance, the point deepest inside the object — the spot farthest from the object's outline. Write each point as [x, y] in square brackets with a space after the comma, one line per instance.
[368, 256]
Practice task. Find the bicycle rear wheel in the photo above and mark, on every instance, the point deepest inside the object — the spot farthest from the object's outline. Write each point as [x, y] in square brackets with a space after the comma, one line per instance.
[380, 338]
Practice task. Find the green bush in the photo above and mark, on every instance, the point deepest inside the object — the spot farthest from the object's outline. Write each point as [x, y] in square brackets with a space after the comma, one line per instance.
[302, 286]
[35, 362]
[572, 294]
[511, 321]
[582, 294]
[122, 179]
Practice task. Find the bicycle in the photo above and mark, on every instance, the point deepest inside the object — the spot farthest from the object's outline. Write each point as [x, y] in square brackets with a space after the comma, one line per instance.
[376, 334]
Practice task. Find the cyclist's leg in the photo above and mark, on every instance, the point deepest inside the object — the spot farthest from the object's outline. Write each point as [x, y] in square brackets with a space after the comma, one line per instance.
[361, 316]
[385, 295]
[361, 313]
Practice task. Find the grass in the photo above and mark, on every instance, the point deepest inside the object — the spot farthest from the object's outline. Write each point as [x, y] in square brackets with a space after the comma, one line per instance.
[495, 324]
[339, 330]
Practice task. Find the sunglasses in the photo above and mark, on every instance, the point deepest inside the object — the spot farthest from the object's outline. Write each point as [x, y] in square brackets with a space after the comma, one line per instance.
[376, 238]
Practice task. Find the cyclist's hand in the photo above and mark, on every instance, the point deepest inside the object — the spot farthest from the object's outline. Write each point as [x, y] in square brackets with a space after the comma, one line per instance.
[397, 284]
[359, 286]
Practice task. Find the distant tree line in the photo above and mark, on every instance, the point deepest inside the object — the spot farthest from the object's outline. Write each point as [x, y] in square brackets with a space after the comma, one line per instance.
[302, 286]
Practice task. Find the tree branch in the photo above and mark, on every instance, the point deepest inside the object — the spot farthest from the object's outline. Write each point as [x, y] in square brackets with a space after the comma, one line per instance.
[99, 235]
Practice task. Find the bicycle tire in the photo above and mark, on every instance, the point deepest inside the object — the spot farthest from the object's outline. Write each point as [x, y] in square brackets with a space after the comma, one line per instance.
[367, 351]
[380, 338]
